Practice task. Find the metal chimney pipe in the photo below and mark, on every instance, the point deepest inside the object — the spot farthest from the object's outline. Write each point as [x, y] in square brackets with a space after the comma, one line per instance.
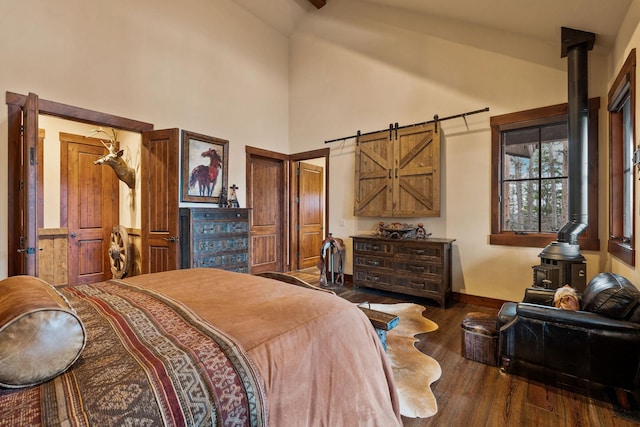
[575, 45]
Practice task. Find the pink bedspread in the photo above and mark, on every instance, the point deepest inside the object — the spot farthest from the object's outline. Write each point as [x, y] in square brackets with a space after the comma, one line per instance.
[319, 357]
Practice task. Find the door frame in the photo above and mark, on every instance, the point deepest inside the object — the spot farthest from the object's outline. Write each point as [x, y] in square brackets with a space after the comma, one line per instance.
[15, 104]
[299, 157]
[290, 210]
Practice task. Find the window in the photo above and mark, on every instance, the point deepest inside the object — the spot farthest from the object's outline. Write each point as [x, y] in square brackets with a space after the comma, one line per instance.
[529, 189]
[621, 106]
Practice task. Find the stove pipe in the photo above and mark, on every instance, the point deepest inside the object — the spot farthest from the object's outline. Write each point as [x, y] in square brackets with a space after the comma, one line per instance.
[575, 45]
[564, 254]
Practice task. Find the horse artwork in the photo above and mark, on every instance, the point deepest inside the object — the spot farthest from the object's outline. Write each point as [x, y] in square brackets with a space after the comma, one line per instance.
[204, 167]
[206, 176]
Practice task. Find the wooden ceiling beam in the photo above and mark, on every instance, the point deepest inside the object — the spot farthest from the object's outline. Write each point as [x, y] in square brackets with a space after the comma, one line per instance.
[318, 3]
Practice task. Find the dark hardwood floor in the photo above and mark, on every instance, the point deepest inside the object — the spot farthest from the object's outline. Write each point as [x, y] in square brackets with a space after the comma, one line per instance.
[472, 394]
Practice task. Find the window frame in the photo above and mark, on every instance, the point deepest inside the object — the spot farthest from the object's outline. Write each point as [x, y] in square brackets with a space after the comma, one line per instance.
[589, 239]
[623, 88]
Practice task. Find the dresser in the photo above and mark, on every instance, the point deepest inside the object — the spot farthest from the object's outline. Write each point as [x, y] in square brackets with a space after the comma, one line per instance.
[419, 267]
[215, 237]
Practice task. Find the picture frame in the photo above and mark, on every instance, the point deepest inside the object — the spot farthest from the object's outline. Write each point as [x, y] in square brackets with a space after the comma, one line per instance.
[205, 162]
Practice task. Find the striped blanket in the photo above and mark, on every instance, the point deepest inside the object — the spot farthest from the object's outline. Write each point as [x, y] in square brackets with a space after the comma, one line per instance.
[148, 361]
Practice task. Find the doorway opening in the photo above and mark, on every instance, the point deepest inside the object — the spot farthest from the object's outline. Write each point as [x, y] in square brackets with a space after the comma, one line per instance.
[33, 191]
[289, 214]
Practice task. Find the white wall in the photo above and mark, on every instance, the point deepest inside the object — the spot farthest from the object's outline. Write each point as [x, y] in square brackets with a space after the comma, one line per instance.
[205, 66]
[357, 66]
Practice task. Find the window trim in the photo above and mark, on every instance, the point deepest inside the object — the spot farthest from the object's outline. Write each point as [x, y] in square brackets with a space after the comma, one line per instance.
[624, 84]
[589, 239]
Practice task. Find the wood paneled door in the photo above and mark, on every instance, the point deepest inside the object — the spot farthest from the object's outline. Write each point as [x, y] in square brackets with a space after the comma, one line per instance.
[266, 189]
[310, 198]
[160, 216]
[89, 206]
[309, 206]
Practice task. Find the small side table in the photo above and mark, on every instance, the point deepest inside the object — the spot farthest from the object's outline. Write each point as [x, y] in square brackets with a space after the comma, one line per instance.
[382, 322]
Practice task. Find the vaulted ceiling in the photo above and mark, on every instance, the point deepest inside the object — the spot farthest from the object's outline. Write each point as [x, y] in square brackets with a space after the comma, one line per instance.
[539, 19]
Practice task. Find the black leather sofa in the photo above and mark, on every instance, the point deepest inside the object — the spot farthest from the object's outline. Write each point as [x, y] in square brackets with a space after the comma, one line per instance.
[600, 343]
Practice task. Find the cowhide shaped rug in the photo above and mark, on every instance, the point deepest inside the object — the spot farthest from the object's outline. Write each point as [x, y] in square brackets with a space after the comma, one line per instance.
[413, 370]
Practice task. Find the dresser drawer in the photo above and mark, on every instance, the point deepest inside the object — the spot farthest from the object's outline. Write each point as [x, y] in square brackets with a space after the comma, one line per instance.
[369, 261]
[218, 228]
[418, 268]
[220, 245]
[372, 278]
[219, 215]
[231, 262]
[420, 251]
[373, 247]
[421, 283]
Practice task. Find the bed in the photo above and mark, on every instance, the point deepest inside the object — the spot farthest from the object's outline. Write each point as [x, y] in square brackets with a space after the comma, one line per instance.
[199, 347]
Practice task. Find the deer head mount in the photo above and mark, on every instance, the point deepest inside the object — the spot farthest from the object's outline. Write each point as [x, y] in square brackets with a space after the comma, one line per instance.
[124, 172]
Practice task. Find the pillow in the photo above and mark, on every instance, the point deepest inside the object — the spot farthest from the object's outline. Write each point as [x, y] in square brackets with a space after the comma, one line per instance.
[40, 334]
[611, 295]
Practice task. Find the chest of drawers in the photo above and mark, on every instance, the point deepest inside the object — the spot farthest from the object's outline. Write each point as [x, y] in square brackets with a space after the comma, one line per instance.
[214, 237]
[419, 267]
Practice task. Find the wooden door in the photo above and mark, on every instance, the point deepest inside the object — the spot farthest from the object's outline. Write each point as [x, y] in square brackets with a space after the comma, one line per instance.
[22, 177]
[28, 240]
[89, 208]
[310, 213]
[265, 196]
[159, 172]
[373, 175]
[416, 186]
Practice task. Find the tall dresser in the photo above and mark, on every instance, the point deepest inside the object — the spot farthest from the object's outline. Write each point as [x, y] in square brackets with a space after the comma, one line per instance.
[215, 237]
[419, 267]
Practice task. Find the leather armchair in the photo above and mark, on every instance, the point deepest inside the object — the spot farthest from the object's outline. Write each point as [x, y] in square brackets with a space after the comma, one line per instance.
[599, 343]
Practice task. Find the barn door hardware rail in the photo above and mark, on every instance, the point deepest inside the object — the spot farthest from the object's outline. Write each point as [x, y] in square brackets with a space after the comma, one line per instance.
[395, 126]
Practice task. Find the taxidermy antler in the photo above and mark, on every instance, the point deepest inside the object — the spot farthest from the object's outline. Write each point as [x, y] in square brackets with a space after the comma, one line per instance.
[114, 159]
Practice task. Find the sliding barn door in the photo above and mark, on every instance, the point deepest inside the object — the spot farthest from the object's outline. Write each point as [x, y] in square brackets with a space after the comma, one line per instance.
[159, 172]
[374, 179]
[397, 173]
[416, 184]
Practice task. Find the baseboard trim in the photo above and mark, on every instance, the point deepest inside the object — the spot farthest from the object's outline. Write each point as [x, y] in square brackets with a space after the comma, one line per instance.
[459, 297]
[477, 300]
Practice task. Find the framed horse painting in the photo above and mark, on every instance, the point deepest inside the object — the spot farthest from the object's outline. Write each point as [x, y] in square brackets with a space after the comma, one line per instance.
[204, 167]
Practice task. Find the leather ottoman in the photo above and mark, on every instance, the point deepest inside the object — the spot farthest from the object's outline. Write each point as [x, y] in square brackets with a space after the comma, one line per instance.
[480, 338]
